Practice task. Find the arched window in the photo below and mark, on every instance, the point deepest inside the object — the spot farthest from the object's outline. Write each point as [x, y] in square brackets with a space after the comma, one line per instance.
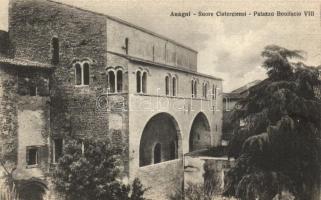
[138, 81]
[55, 50]
[173, 150]
[86, 74]
[144, 79]
[213, 92]
[205, 90]
[82, 73]
[78, 76]
[157, 153]
[119, 81]
[167, 85]
[111, 81]
[192, 87]
[174, 86]
[195, 89]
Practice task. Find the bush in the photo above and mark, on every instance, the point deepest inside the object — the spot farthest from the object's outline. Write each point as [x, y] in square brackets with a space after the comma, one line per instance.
[91, 173]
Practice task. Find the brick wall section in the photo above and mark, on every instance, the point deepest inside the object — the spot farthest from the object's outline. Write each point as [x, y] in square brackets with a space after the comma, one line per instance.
[81, 35]
[19, 132]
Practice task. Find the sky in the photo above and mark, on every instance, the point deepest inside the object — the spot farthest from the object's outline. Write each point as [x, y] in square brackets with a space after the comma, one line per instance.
[228, 47]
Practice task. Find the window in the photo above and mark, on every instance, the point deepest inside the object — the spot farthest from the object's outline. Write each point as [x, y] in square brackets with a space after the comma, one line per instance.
[141, 81]
[57, 149]
[32, 155]
[167, 85]
[55, 50]
[138, 81]
[86, 74]
[111, 81]
[32, 88]
[78, 74]
[192, 87]
[174, 86]
[195, 88]
[119, 81]
[82, 73]
[214, 92]
[126, 45]
[173, 150]
[205, 90]
[144, 79]
[157, 153]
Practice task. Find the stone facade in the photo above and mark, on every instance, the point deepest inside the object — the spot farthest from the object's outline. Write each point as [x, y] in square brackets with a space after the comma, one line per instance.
[105, 78]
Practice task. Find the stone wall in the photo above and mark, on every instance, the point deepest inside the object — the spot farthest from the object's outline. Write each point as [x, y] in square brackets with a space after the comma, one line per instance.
[163, 179]
[82, 36]
[148, 46]
[8, 114]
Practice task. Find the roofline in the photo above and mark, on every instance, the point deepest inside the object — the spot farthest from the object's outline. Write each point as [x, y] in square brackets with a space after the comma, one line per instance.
[128, 24]
[135, 59]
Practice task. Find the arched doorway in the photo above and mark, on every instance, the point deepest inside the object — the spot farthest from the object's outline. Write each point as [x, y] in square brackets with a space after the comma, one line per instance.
[32, 191]
[158, 137]
[200, 134]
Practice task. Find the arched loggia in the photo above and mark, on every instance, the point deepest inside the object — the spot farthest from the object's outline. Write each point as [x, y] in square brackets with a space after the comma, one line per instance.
[200, 134]
[157, 142]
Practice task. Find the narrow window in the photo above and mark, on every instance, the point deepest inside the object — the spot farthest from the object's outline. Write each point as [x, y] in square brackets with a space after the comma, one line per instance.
[205, 90]
[78, 74]
[86, 74]
[32, 155]
[55, 50]
[157, 153]
[192, 86]
[174, 86]
[167, 85]
[111, 79]
[57, 149]
[213, 92]
[119, 81]
[126, 45]
[195, 89]
[144, 82]
[173, 150]
[138, 81]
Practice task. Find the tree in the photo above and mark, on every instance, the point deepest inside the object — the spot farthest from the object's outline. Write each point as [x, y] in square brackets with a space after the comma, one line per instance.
[277, 149]
[88, 170]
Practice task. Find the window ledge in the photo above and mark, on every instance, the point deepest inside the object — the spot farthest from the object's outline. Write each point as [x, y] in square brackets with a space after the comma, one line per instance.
[32, 166]
[172, 97]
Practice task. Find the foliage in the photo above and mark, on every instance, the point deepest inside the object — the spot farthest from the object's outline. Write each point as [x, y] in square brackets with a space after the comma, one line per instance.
[88, 170]
[137, 190]
[197, 192]
[277, 149]
[212, 182]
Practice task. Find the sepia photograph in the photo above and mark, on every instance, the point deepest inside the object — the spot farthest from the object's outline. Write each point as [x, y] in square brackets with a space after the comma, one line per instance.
[160, 100]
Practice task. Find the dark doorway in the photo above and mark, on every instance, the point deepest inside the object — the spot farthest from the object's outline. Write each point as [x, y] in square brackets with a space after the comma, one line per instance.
[32, 191]
[157, 153]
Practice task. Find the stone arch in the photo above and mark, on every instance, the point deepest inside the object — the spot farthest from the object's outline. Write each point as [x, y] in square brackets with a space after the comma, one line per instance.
[32, 190]
[161, 130]
[200, 134]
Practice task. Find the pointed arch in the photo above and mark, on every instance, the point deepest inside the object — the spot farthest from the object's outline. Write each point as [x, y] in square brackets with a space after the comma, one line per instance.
[160, 129]
[200, 133]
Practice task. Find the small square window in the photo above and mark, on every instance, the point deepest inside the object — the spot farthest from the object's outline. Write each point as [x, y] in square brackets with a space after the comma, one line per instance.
[32, 155]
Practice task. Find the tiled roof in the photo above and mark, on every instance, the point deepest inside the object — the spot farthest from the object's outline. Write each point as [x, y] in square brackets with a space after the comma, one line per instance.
[23, 63]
